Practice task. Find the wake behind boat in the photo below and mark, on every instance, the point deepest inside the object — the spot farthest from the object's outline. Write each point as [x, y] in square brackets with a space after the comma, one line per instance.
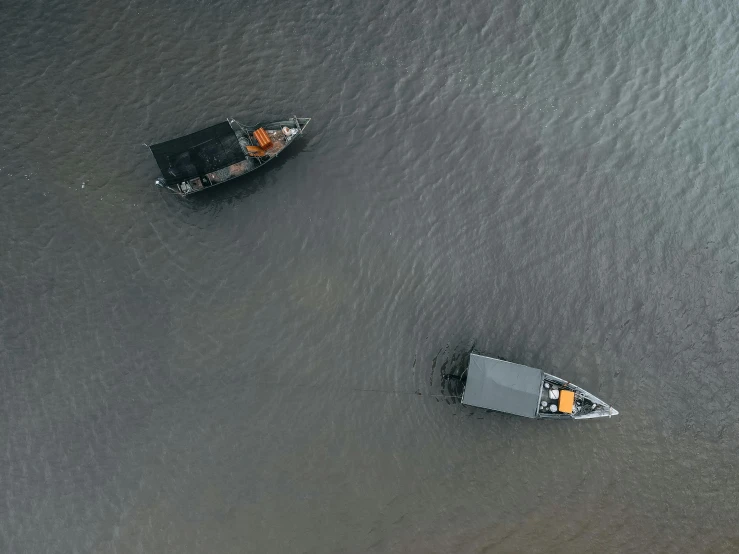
[521, 390]
[221, 152]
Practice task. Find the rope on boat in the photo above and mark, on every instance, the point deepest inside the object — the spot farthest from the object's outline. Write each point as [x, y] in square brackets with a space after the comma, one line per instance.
[385, 391]
[416, 393]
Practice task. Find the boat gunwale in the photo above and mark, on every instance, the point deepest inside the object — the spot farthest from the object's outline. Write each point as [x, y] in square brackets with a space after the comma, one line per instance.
[267, 125]
[605, 409]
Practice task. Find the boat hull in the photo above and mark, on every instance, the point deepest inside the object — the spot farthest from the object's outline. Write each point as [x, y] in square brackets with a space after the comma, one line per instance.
[282, 132]
[503, 386]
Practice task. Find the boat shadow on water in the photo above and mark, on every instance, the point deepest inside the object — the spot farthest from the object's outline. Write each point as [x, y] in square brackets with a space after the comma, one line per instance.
[453, 374]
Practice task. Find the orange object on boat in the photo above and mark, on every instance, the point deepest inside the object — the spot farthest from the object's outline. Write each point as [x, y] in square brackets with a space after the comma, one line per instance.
[566, 401]
[262, 138]
[255, 151]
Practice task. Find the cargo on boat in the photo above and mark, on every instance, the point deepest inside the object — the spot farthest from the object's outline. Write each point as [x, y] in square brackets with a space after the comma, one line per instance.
[503, 386]
[222, 152]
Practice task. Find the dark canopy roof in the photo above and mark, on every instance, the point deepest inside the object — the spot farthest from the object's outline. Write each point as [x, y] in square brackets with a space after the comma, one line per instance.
[199, 153]
[498, 385]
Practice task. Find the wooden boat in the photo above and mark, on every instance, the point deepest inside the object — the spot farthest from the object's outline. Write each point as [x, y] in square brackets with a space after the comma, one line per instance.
[222, 152]
[517, 389]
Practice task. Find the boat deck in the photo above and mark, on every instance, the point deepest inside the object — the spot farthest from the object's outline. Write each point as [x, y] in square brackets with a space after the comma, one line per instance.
[279, 141]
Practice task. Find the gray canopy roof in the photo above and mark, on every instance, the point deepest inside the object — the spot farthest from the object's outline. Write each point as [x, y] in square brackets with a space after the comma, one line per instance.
[502, 386]
[198, 153]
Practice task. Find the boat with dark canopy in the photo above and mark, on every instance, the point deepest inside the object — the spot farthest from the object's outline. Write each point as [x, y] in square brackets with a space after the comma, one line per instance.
[221, 152]
[503, 386]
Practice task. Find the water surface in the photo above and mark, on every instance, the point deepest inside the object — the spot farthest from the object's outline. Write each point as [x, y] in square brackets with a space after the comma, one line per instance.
[552, 182]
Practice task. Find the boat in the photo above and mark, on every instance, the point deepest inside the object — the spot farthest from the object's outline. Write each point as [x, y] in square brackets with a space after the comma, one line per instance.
[499, 385]
[222, 152]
